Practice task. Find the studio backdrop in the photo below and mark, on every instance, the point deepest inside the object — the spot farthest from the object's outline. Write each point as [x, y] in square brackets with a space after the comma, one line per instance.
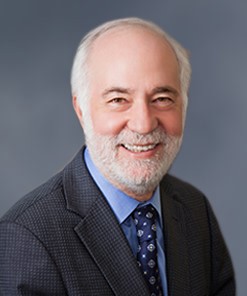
[40, 132]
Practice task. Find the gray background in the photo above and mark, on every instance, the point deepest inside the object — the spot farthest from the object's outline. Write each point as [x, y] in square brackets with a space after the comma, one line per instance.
[40, 133]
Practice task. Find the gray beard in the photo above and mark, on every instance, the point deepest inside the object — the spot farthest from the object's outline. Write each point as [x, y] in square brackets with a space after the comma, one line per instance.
[139, 176]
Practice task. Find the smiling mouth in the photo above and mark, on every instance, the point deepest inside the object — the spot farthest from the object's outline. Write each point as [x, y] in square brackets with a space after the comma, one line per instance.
[139, 148]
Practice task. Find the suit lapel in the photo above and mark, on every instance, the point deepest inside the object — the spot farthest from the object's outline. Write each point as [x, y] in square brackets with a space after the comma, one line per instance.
[175, 243]
[101, 233]
[103, 237]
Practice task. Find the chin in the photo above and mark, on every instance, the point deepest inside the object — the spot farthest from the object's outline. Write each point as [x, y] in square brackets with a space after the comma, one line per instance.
[138, 178]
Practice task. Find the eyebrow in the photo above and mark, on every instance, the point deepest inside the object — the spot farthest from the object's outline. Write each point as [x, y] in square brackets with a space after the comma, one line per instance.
[156, 90]
[164, 89]
[121, 90]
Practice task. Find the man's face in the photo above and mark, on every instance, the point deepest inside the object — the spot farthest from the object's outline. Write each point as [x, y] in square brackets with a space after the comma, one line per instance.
[135, 106]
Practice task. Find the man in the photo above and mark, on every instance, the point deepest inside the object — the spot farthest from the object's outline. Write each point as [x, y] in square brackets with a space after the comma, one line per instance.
[113, 222]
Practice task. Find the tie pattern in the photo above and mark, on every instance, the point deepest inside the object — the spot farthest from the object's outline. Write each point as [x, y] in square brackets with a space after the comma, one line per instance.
[144, 218]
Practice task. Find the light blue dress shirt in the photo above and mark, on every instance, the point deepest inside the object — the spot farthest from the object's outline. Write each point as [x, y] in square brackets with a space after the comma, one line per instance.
[123, 206]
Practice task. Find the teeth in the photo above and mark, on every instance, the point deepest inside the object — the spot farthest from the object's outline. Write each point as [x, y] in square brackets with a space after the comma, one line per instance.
[137, 148]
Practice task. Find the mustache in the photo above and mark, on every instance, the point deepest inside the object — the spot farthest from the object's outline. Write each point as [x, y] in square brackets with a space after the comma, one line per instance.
[127, 136]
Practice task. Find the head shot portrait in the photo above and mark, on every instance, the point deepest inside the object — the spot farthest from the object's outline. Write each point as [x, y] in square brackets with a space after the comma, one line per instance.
[114, 220]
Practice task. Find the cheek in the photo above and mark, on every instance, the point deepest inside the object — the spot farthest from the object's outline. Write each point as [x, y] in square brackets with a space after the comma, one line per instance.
[173, 124]
[107, 124]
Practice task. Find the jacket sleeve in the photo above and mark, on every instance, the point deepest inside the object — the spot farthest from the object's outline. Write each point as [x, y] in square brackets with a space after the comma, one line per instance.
[25, 265]
[223, 281]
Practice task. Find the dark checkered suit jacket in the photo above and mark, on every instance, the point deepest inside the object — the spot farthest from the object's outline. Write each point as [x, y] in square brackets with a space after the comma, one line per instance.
[63, 239]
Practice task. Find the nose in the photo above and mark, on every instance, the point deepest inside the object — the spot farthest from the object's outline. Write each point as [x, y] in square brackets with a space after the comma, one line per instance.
[142, 118]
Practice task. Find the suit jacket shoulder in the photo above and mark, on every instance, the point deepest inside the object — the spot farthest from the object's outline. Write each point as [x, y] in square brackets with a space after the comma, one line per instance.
[35, 196]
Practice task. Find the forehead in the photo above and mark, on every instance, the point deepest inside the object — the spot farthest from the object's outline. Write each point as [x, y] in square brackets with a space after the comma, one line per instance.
[130, 41]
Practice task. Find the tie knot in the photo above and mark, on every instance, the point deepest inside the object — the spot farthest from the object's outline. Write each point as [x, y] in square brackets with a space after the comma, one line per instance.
[144, 218]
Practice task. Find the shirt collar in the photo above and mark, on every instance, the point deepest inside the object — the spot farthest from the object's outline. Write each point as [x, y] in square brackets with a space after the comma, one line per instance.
[121, 204]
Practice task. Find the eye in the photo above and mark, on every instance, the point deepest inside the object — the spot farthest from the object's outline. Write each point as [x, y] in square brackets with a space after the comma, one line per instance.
[163, 100]
[117, 100]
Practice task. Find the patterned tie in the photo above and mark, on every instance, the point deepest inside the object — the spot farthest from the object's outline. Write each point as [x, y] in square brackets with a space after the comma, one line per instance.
[144, 218]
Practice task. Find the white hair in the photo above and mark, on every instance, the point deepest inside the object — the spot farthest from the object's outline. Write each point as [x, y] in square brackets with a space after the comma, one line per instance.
[79, 78]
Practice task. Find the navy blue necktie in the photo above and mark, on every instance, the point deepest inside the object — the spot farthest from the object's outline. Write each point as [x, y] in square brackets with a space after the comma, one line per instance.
[144, 218]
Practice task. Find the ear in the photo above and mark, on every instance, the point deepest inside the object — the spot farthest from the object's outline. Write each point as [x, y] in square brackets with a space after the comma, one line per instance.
[77, 109]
